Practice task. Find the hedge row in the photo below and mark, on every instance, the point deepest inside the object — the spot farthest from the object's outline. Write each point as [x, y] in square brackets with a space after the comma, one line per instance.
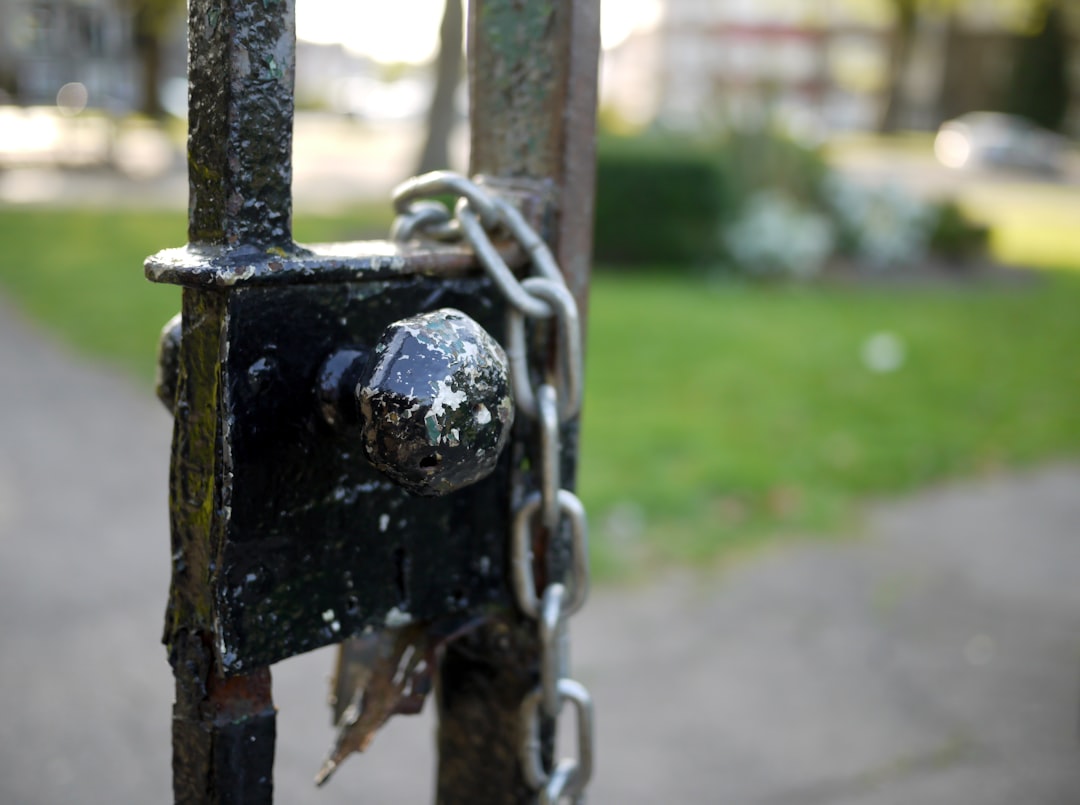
[664, 201]
[656, 202]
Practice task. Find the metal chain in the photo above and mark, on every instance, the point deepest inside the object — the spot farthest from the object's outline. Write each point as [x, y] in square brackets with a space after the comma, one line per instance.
[551, 403]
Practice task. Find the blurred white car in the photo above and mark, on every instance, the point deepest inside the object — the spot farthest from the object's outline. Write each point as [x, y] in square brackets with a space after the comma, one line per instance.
[997, 140]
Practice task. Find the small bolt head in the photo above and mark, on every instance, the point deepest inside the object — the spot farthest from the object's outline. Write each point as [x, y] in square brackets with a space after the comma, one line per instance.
[435, 405]
[168, 362]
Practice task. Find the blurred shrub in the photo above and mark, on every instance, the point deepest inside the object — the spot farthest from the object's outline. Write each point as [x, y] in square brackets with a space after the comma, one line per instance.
[954, 236]
[880, 227]
[657, 201]
[757, 159]
[776, 236]
[759, 203]
[666, 199]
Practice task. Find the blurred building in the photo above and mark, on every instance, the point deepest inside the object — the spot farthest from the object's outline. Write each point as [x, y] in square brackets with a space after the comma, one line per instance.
[816, 65]
[813, 63]
[45, 44]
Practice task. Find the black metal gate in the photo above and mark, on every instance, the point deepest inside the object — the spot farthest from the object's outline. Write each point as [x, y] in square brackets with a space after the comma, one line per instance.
[285, 534]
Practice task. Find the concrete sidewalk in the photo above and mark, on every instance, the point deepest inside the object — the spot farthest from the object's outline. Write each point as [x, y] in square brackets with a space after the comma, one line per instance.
[934, 661]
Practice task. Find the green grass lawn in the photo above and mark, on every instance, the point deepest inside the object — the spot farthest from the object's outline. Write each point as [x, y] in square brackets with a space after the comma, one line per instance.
[81, 272]
[715, 415]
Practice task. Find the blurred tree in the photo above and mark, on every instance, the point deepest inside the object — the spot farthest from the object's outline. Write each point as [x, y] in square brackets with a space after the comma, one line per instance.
[901, 42]
[151, 22]
[975, 66]
[440, 121]
[908, 18]
[8, 84]
[1039, 88]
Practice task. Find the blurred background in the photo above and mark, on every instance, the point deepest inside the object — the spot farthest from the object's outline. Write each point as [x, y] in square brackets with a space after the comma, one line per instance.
[836, 270]
[868, 181]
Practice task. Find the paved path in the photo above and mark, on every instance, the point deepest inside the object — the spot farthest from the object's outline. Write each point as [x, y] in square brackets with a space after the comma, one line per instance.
[935, 660]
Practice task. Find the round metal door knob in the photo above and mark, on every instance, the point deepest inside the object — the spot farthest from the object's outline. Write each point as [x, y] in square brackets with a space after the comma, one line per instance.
[435, 403]
[432, 400]
[168, 362]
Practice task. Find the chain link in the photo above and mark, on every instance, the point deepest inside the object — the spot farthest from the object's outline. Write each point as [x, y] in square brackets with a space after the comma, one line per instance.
[550, 403]
[429, 217]
[570, 509]
[550, 469]
[570, 364]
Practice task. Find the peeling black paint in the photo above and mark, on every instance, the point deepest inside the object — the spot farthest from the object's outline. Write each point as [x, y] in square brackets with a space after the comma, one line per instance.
[241, 74]
[284, 538]
[291, 522]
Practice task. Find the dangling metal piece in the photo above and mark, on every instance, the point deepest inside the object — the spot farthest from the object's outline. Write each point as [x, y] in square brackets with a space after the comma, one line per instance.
[378, 676]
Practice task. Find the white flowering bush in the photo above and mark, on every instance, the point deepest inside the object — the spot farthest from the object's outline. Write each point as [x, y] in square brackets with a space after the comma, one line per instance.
[881, 227]
[776, 236]
[785, 214]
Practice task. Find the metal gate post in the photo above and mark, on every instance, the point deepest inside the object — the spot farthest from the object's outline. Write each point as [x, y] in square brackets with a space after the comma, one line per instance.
[283, 539]
[532, 91]
[240, 73]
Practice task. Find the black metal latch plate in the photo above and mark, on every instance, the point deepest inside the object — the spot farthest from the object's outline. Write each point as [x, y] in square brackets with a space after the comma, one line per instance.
[307, 542]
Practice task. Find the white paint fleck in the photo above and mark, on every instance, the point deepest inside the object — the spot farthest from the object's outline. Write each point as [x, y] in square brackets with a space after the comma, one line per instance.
[237, 275]
[228, 657]
[384, 522]
[446, 397]
[335, 626]
[395, 617]
[328, 615]
[250, 577]
[483, 415]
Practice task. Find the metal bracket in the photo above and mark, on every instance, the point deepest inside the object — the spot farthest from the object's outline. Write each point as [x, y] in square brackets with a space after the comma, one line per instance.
[293, 540]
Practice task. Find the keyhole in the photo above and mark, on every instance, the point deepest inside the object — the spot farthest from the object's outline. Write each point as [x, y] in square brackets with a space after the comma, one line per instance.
[401, 575]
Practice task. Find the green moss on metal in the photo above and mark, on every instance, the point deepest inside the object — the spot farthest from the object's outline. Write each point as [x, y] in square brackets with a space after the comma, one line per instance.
[516, 85]
[509, 30]
[194, 490]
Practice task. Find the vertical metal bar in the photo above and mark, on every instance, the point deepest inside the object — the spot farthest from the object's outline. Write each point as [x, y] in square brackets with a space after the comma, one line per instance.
[532, 95]
[223, 730]
[240, 73]
[532, 81]
[240, 112]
